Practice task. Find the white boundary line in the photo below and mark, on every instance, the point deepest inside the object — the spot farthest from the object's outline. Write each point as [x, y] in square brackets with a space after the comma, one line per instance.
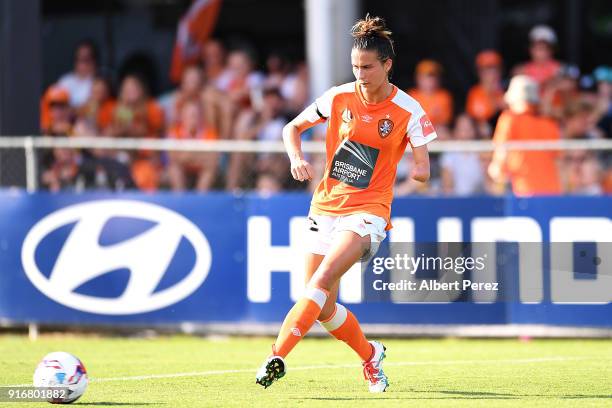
[326, 366]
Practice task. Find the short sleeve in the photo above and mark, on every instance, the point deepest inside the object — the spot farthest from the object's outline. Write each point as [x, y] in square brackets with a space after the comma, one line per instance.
[420, 129]
[320, 109]
[323, 103]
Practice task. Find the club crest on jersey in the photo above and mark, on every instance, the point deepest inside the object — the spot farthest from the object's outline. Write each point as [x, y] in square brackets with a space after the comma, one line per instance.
[347, 115]
[385, 126]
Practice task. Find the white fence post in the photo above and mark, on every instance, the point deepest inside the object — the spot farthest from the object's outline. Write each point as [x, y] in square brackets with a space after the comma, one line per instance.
[31, 165]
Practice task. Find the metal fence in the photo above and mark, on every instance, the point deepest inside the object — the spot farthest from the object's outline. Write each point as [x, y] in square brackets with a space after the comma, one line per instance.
[20, 157]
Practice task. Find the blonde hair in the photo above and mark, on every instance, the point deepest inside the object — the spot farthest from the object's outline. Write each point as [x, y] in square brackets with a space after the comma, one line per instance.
[522, 90]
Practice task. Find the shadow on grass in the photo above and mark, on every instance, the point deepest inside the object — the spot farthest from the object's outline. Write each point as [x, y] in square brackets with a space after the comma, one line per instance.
[404, 397]
[118, 404]
[457, 395]
[493, 394]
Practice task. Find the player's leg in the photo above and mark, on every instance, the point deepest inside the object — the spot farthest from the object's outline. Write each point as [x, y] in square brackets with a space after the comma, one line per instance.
[312, 263]
[347, 249]
[337, 319]
[343, 325]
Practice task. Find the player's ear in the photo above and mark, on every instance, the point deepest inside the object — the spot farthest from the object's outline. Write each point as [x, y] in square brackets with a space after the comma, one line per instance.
[388, 64]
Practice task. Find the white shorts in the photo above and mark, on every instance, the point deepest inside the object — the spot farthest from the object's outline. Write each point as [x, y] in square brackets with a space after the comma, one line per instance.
[323, 228]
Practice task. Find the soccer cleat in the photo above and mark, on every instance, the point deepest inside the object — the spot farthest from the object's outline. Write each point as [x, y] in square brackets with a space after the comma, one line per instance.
[372, 369]
[271, 370]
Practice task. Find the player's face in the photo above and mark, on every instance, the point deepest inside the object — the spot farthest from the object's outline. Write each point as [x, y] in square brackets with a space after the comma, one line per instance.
[369, 71]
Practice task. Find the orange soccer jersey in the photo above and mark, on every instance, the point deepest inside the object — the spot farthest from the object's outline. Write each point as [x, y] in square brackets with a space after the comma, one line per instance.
[438, 105]
[364, 144]
[531, 172]
[482, 104]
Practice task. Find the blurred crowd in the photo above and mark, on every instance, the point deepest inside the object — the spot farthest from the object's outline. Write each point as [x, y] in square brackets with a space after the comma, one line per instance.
[224, 96]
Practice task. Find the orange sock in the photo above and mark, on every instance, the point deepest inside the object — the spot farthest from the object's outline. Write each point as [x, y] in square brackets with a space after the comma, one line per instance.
[344, 326]
[299, 320]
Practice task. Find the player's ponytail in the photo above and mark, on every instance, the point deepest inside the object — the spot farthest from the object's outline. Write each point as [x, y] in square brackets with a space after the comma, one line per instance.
[371, 33]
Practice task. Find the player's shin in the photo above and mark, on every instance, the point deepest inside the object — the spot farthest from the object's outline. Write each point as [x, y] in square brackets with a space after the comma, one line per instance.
[343, 325]
[299, 320]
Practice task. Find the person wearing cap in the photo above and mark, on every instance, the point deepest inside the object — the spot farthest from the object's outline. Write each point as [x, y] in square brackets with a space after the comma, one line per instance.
[485, 100]
[55, 112]
[542, 66]
[435, 100]
[59, 166]
[531, 173]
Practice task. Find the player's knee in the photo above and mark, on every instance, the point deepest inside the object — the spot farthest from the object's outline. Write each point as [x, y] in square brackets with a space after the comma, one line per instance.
[323, 279]
[327, 274]
[327, 311]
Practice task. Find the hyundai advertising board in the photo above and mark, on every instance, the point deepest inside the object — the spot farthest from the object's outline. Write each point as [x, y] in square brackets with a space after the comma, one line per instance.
[173, 258]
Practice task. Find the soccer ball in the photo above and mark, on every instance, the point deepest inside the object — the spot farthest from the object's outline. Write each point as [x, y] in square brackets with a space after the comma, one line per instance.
[60, 369]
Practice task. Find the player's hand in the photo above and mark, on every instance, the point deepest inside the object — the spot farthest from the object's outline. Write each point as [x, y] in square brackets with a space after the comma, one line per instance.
[494, 171]
[301, 170]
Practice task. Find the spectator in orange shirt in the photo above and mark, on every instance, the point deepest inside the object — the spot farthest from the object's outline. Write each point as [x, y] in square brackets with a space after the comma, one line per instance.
[184, 165]
[542, 67]
[137, 115]
[530, 172]
[485, 100]
[435, 100]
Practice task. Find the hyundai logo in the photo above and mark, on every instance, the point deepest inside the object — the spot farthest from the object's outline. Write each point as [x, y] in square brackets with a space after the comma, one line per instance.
[147, 255]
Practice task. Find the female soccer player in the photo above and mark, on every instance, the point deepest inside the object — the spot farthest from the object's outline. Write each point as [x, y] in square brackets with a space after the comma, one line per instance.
[370, 123]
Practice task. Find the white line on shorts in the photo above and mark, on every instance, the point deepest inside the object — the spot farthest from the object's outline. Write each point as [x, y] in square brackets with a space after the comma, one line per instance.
[331, 366]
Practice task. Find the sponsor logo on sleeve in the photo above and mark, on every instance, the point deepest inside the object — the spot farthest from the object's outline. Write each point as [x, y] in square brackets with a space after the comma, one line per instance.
[426, 125]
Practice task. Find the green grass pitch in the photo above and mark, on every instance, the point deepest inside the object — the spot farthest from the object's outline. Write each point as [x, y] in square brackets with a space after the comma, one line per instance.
[185, 371]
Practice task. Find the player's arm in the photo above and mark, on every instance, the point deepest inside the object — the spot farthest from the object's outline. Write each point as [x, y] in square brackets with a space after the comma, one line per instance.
[420, 171]
[420, 132]
[300, 169]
